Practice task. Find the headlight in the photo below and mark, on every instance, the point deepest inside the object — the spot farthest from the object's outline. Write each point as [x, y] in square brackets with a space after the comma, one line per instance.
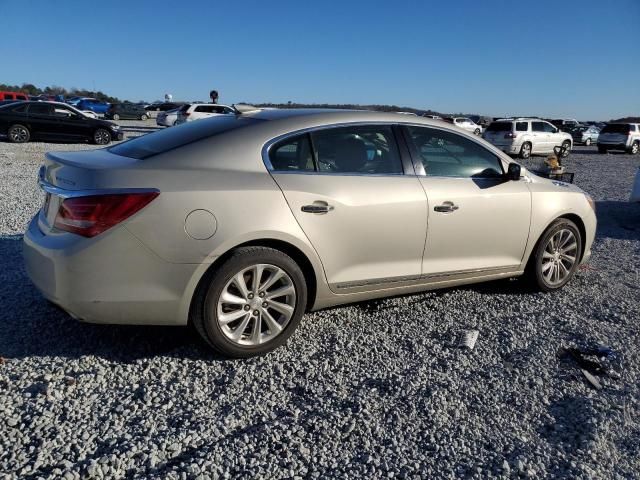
[592, 203]
[115, 127]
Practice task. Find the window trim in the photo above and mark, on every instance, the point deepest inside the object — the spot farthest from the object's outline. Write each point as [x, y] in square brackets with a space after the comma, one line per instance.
[404, 162]
[417, 159]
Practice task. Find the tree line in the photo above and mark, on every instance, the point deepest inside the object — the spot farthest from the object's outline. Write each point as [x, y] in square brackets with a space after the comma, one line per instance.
[32, 90]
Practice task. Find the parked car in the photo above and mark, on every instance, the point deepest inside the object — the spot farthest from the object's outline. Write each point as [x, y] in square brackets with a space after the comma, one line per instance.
[26, 121]
[167, 119]
[239, 224]
[155, 109]
[527, 136]
[123, 111]
[620, 136]
[13, 96]
[565, 125]
[94, 105]
[75, 100]
[433, 117]
[585, 135]
[197, 111]
[467, 124]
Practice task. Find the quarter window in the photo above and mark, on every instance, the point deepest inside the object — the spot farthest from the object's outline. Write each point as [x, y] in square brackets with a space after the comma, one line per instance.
[446, 154]
[292, 155]
[40, 109]
[365, 150]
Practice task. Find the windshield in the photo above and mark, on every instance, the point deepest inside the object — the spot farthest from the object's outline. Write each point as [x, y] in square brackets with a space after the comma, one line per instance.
[500, 127]
[163, 141]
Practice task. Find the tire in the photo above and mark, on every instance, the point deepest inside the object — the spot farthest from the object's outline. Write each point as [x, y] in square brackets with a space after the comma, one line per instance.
[116, 116]
[143, 117]
[525, 150]
[587, 142]
[602, 149]
[548, 260]
[101, 137]
[209, 306]
[634, 148]
[567, 145]
[477, 131]
[18, 134]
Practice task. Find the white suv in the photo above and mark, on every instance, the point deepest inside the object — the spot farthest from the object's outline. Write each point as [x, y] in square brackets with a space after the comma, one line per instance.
[467, 124]
[196, 111]
[620, 136]
[527, 136]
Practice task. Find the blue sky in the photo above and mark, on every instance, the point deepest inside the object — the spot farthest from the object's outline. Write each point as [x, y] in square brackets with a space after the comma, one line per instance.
[573, 58]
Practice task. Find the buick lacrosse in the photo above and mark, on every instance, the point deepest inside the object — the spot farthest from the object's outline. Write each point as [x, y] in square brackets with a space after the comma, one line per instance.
[239, 224]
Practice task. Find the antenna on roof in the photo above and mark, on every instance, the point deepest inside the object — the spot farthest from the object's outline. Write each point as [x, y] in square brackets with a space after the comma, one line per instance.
[241, 108]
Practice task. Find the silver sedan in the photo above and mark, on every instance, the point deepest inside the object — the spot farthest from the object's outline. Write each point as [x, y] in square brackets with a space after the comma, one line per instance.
[240, 224]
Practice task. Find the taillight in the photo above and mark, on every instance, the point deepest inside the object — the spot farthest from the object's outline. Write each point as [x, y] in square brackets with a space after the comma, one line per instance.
[186, 114]
[510, 135]
[91, 215]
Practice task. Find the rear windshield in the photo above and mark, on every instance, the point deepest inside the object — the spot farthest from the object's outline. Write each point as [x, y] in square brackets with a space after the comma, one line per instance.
[500, 127]
[623, 128]
[175, 137]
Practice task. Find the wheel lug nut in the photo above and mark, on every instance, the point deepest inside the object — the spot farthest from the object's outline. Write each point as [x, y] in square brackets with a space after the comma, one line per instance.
[256, 313]
[261, 294]
[250, 296]
[265, 304]
[247, 307]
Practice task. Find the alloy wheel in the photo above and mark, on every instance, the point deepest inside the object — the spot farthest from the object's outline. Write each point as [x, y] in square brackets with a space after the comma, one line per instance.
[635, 148]
[256, 304]
[526, 150]
[19, 134]
[587, 142]
[559, 256]
[101, 137]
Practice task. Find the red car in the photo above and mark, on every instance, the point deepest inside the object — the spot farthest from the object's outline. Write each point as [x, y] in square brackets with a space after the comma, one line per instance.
[13, 96]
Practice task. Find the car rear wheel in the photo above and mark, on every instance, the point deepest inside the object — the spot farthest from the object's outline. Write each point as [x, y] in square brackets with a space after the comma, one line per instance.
[635, 147]
[116, 116]
[525, 150]
[252, 303]
[143, 117]
[567, 148]
[556, 256]
[101, 137]
[587, 142]
[18, 134]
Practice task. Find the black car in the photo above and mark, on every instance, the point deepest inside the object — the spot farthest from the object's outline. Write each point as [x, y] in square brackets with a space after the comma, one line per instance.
[24, 121]
[130, 111]
[163, 107]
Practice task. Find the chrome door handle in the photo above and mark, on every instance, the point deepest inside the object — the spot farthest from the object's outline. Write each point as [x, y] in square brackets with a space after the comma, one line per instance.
[317, 208]
[446, 207]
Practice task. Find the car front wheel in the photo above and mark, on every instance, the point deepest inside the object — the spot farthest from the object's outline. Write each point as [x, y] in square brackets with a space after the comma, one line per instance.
[252, 303]
[101, 137]
[566, 145]
[556, 256]
[587, 142]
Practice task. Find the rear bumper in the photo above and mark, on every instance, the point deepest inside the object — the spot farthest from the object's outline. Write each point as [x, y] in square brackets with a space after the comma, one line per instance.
[613, 146]
[508, 148]
[112, 278]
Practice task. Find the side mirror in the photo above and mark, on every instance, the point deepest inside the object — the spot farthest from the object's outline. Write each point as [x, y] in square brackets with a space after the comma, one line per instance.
[513, 172]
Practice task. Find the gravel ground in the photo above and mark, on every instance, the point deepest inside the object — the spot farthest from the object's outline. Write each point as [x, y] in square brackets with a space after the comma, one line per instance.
[373, 390]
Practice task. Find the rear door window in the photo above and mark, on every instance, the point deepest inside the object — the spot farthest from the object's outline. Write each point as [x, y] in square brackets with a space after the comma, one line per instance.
[364, 150]
[447, 154]
[537, 126]
[521, 127]
[40, 109]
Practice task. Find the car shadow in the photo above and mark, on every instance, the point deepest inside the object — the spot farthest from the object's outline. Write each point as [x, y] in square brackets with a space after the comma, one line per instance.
[618, 220]
[31, 326]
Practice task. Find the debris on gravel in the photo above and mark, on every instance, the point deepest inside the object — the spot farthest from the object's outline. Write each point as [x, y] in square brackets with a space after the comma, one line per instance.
[371, 390]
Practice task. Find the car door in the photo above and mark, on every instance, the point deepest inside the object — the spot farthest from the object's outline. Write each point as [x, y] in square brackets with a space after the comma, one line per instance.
[554, 137]
[347, 189]
[540, 138]
[41, 119]
[478, 220]
[71, 125]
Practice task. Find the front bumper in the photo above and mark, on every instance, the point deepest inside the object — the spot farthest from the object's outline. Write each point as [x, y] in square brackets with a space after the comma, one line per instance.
[111, 278]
